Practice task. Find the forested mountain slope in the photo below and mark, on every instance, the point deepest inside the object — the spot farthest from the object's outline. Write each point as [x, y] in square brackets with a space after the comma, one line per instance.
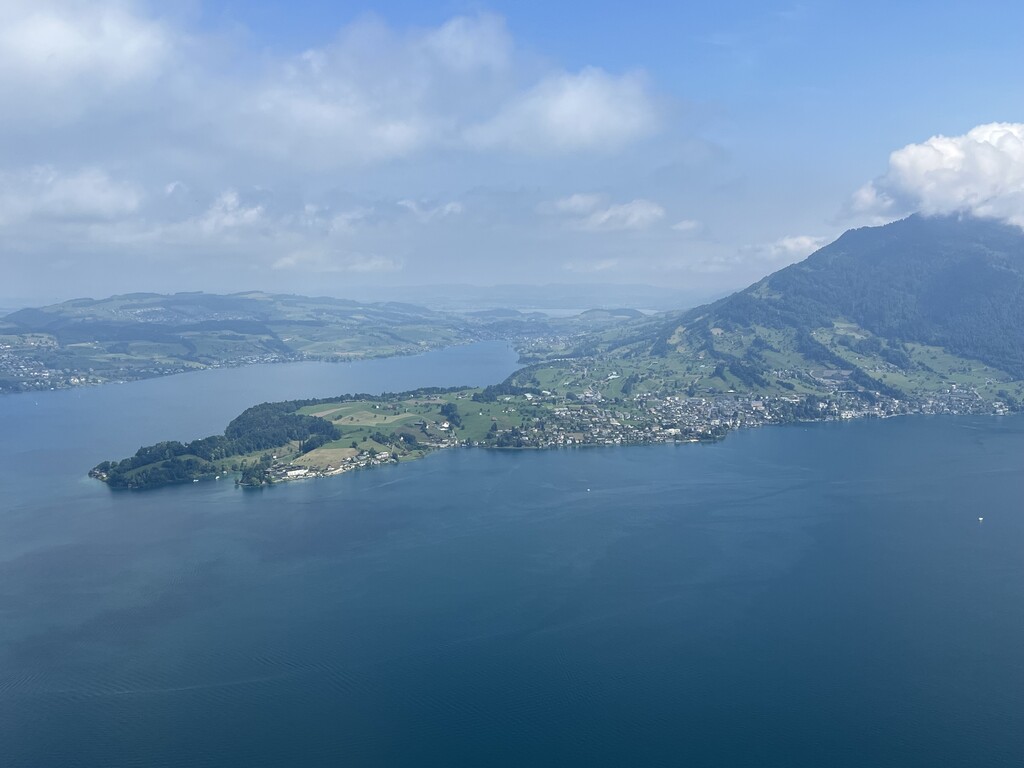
[918, 306]
[956, 283]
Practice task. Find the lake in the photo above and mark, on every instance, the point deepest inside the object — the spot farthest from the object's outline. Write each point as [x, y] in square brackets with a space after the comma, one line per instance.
[808, 595]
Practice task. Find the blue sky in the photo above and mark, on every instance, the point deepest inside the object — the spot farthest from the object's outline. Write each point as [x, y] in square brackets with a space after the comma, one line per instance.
[334, 147]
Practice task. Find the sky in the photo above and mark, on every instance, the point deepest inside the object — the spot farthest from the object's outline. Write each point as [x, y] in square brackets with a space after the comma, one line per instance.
[344, 148]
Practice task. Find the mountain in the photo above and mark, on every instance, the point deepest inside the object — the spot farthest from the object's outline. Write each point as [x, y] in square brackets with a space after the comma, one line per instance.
[923, 305]
[956, 283]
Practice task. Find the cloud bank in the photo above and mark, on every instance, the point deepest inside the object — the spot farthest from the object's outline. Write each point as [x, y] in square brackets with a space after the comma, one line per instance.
[373, 93]
[83, 195]
[980, 172]
[588, 110]
[593, 213]
[132, 140]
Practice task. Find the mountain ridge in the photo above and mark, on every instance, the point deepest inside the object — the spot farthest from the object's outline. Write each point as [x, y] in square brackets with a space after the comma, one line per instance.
[907, 310]
[954, 282]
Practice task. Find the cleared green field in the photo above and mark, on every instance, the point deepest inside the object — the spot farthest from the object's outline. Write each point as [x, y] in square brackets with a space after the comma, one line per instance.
[781, 368]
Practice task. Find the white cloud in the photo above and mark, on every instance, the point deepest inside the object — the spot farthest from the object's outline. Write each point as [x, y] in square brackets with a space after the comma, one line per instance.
[336, 125]
[593, 213]
[133, 135]
[980, 172]
[688, 226]
[373, 94]
[601, 265]
[427, 213]
[45, 192]
[228, 213]
[319, 260]
[773, 255]
[99, 43]
[44, 207]
[794, 247]
[468, 44]
[757, 259]
[591, 110]
[578, 203]
[348, 221]
[64, 61]
[636, 214]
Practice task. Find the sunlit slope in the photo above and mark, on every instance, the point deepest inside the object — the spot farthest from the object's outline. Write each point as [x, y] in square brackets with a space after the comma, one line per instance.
[910, 307]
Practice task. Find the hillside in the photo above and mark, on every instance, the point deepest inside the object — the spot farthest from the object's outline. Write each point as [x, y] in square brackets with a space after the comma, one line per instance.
[140, 335]
[910, 308]
[133, 336]
[948, 282]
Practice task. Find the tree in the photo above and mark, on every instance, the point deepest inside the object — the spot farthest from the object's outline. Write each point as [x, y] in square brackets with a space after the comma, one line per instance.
[451, 412]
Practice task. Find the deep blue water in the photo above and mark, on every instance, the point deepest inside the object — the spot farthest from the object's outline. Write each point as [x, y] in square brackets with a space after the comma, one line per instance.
[793, 596]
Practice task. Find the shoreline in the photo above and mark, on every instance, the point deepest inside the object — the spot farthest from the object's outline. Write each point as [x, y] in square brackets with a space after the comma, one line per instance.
[291, 473]
[64, 386]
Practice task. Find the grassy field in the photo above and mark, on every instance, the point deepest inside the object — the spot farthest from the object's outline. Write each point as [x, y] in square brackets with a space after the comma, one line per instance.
[774, 355]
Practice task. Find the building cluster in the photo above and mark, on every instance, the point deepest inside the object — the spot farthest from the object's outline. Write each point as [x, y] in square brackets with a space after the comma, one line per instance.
[21, 372]
[552, 421]
[642, 419]
[645, 418]
[281, 471]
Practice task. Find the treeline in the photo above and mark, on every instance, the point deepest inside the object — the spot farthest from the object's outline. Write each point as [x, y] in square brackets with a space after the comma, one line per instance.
[258, 428]
[451, 412]
[165, 463]
[505, 389]
[254, 475]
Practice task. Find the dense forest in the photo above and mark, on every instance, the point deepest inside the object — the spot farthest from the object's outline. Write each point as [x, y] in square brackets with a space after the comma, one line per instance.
[951, 282]
[260, 428]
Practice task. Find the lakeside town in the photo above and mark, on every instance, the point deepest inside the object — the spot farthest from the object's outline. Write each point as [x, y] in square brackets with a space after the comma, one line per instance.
[39, 365]
[560, 402]
[549, 421]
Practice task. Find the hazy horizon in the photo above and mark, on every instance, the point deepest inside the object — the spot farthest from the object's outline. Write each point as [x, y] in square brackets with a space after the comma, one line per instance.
[219, 146]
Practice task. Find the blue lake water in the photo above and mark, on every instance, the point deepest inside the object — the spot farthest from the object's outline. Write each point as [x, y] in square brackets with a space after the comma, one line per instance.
[816, 595]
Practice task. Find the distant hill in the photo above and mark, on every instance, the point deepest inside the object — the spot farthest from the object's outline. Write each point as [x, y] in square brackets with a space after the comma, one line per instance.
[274, 323]
[139, 335]
[80, 317]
